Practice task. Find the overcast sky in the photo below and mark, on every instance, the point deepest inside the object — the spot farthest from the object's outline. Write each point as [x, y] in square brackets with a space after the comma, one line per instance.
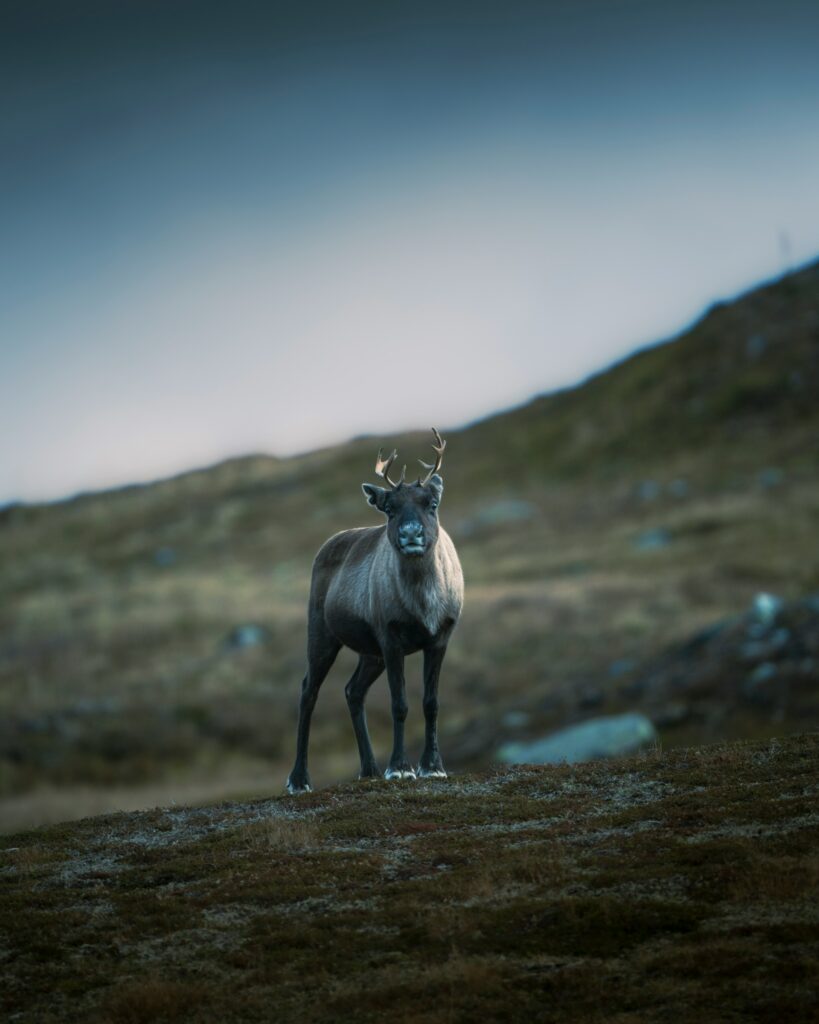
[250, 227]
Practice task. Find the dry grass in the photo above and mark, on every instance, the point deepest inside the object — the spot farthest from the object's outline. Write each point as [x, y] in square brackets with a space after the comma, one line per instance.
[287, 834]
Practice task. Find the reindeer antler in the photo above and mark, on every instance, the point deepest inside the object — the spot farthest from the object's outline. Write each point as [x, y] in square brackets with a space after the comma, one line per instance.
[439, 455]
[382, 467]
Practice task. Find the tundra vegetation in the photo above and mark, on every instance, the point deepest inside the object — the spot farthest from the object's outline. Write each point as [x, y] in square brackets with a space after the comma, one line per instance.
[679, 885]
[151, 638]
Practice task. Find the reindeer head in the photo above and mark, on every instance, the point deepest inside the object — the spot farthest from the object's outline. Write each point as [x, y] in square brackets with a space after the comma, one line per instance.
[411, 509]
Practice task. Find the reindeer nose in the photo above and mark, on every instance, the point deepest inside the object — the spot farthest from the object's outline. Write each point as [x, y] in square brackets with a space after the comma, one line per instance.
[411, 532]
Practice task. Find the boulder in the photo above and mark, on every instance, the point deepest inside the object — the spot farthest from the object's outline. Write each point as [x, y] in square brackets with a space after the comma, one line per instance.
[653, 540]
[610, 736]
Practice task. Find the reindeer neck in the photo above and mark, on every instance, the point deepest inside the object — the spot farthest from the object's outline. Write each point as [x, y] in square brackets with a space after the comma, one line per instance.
[416, 572]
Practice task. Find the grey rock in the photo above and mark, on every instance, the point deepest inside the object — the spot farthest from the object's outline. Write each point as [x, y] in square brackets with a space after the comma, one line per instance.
[755, 346]
[592, 740]
[767, 647]
[249, 635]
[507, 510]
[756, 687]
[648, 490]
[770, 477]
[620, 667]
[678, 488]
[765, 609]
[652, 540]
[165, 557]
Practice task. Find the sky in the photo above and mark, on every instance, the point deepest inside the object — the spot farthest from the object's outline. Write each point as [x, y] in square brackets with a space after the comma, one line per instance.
[260, 227]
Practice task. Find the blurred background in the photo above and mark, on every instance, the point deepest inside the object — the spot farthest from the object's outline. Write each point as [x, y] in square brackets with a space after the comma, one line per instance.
[579, 238]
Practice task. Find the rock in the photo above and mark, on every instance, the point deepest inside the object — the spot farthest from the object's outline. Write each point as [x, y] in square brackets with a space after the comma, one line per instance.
[652, 540]
[756, 687]
[164, 557]
[767, 647]
[678, 488]
[507, 510]
[620, 667]
[648, 490]
[597, 738]
[755, 346]
[770, 477]
[249, 635]
[96, 706]
[764, 611]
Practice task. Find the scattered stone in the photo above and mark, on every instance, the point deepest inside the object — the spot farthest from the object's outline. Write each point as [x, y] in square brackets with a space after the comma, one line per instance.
[249, 635]
[767, 657]
[648, 490]
[507, 510]
[767, 647]
[770, 477]
[755, 346]
[764, 611]
[96, 706]
[653, 540]
[620, 667]
[678, 488]
[598, 738]
[165, 557]
[755, 687]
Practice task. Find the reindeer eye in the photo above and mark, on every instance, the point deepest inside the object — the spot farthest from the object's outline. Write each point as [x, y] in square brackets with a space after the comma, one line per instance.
[433, 505]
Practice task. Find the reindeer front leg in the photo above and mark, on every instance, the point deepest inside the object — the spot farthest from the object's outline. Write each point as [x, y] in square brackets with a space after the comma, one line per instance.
[399, 767]
[431, 765]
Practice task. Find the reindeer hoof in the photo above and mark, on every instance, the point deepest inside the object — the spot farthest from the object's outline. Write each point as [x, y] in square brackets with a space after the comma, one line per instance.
[431, 773]
[399, 773]
[293, 788]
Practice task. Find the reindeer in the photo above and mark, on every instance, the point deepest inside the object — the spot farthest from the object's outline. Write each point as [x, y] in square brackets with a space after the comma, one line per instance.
[385, 592]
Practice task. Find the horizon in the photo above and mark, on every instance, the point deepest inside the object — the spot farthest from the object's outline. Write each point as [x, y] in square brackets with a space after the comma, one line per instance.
[261, 232]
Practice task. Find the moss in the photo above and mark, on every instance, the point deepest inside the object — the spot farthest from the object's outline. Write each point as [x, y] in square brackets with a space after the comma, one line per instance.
[587, 893]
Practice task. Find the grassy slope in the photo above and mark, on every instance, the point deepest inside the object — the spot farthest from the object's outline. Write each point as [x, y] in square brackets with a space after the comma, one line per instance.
[115, 670]
[680, 886]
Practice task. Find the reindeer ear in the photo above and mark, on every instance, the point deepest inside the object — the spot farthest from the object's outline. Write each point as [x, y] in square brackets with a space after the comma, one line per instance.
[376, 496]
[436, 485]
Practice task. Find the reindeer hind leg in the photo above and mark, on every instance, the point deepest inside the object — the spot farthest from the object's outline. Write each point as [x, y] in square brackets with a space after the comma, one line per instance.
[322, 649]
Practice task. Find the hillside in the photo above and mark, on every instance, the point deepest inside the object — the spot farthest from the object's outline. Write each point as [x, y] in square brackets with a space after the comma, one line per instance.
[152, 638]
[678, 886]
